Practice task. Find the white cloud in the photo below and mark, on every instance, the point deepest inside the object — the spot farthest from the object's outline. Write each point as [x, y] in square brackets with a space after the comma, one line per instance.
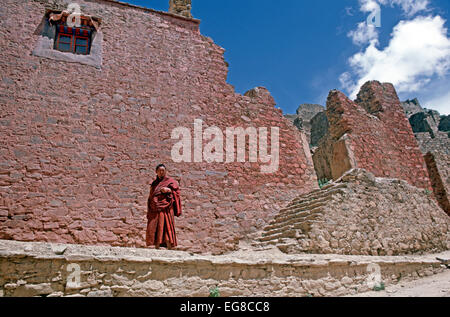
[349, 11]
[411, 7]
[418, 50]
[440, 103]
[363, 34]
[346, 81]
[370, 5]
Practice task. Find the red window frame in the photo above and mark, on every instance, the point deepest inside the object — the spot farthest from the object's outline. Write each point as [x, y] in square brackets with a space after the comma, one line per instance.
[59, 39]
[85, 46]
[73, 43]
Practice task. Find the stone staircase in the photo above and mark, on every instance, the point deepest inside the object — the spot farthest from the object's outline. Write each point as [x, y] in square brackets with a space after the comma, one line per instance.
[294, 222]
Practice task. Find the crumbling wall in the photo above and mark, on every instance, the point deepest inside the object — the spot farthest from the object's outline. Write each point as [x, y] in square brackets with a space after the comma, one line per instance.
[361, 214]
[370, 133]
[181, 7]
[439, 169]
[303, 118]
[79, 144]
[319, 128]
[432, 134]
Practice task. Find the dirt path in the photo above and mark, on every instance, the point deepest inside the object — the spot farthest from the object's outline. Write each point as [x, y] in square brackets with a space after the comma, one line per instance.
[432, 286]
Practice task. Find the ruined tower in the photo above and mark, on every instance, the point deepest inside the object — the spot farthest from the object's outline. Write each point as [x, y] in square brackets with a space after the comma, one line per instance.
[181, 7]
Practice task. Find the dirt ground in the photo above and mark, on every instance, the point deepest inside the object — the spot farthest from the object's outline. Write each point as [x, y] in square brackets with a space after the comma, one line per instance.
[431, 286]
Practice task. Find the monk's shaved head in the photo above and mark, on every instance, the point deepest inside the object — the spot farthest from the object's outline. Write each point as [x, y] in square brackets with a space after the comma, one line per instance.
[161, 171]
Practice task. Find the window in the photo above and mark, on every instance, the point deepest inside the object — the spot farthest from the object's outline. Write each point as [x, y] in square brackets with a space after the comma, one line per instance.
[78, 44]
[73, 40]
[81, 45]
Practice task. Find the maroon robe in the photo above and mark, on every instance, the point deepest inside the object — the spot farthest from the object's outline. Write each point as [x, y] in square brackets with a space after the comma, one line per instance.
[161, 212]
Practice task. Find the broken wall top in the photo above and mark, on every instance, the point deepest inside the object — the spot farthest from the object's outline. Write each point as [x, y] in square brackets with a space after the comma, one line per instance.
[377, 133]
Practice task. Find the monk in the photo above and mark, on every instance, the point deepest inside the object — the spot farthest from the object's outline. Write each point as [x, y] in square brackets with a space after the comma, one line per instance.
[164, 204]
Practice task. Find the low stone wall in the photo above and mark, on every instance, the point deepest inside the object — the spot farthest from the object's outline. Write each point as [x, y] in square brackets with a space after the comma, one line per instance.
[43, 269]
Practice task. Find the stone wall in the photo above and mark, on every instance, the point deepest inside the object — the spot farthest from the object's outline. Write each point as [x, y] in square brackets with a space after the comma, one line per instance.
[433, 136]
[371, 133]
[412, 107]
[48, 270]
[361, 214]
[319, 128]
[79, 144]
[304, 116]
[439, 169]
[181, 7]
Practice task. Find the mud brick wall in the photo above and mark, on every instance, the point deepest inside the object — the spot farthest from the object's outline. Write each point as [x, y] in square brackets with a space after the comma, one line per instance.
[371, 133]
[79, 144]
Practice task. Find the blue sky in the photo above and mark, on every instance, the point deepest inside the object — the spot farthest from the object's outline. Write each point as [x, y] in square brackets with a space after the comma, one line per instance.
[300, 50]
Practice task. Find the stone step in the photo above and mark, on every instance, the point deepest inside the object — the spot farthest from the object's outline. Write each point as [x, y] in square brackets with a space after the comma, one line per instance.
[301, 228]
[291, 233]
[331, 191]
[324, 198]
[274, 225]
[311, 206]
[314, 194]
[277, 230]
[294, 232]
[287, 247]
[293, 224]
[276, 242]
[295, 218]
[298, 231]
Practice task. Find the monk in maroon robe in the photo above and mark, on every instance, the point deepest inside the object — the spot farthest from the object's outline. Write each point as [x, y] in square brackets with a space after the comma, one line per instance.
[164, 204]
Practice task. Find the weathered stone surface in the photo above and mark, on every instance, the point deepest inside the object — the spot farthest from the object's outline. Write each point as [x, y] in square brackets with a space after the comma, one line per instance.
[411, 107]
[125, 272]
[303, 119]
[98, 134]
[426, 121]
[319, 128]
[371, 133]
[181, 7]
[434, 142]
[444, 124]
[438, 165]
[361, 214]
[439, 144]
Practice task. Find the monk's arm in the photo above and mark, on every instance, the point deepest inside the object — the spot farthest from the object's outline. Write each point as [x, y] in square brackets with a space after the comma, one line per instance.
[174, 187]
[177, 198]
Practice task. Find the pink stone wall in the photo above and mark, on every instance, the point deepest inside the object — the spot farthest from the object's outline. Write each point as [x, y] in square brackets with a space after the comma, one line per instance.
[79, 145]
[372, 133]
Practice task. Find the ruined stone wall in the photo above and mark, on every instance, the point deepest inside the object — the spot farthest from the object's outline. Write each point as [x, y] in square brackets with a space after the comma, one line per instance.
[303, 119]
[438, 165]
[439, 144]
[371, 133]
[361, 214]
[79, 144]
[181, 7]
[433, 136]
